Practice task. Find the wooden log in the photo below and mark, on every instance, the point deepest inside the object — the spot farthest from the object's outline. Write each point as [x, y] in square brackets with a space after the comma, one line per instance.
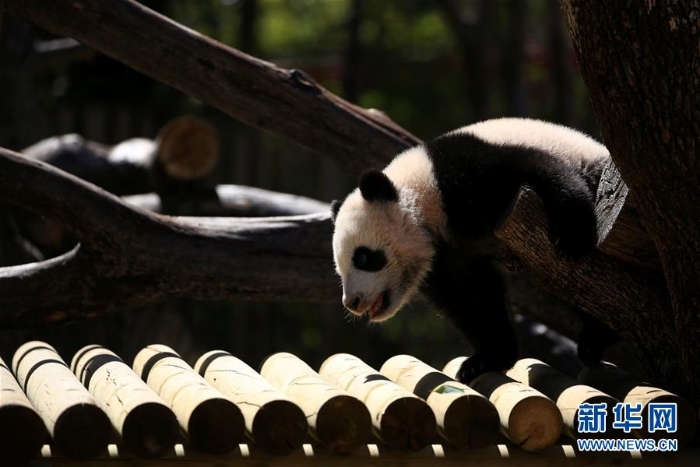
[145, 423]
[565, 391]
[22, 432]
[336, 419]
[401, 419]
[628, 389]
[188, 148]
[213, 423]
[78, 426]
[273, 421]
[228, 201]
[528, 418]
[465, 418]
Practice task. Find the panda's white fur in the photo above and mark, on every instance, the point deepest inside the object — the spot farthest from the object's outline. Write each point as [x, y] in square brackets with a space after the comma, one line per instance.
[565, 143]
[406, 230]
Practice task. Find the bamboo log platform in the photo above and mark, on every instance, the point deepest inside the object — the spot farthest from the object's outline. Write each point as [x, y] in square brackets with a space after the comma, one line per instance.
[465, 418]
[22, 431]
[400, 419]
[528, 418]
[565, 391]
[71, 415]
[406, 430]
[273, 421]
[501, 455]
[145, 423]
[336, 419]
[213, 423]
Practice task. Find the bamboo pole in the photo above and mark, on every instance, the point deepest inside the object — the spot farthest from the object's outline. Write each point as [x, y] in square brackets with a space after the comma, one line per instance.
[336, 419]
[273, 421]
[22, 432]
[565, 391]
[213, 423]
[78, 426]
[401, 419]
[465, 418]
[528, 418]
[630, 390]
[145, 423]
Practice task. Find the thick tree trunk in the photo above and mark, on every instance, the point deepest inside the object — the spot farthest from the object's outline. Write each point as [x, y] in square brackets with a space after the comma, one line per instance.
[641, 64]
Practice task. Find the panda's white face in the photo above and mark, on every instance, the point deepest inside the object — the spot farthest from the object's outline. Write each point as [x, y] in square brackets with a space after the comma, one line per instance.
[381, 252]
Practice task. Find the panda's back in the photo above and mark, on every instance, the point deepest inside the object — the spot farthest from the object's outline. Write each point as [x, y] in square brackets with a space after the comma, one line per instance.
[563, 142]
[478, 169]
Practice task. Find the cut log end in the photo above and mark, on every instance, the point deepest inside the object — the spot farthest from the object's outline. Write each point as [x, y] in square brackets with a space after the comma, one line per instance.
[408, 424]
[22, 433]
[534, 423]
[279, 427]
[471, 422]
[188, 148]
[216, 426]
[150, 430]
[82, 431]
[343, 424]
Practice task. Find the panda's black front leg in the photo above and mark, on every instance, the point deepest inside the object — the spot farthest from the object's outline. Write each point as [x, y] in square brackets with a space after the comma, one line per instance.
[473, 300]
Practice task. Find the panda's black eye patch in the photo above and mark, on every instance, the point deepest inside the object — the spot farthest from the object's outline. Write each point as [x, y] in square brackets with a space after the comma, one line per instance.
[368, 260]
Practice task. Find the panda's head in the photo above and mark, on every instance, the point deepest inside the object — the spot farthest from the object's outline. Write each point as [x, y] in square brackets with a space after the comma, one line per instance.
[381, 250]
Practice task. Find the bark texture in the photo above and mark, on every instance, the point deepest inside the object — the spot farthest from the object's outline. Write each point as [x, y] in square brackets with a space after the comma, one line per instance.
[640, 62]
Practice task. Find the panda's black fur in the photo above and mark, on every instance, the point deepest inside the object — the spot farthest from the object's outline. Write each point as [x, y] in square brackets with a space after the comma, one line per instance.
[477, 182]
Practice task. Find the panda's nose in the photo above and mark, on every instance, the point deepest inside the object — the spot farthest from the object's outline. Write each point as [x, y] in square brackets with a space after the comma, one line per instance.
[352, 303]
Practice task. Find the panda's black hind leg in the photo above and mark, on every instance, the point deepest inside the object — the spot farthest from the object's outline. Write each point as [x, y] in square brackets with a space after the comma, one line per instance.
[484, 361]
[573, 228]
[595, 338]
[569, 204]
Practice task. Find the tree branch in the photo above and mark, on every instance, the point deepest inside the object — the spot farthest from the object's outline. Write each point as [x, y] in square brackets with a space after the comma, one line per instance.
[629, 298]
[128, 257]
[229, 201]
[286, 102]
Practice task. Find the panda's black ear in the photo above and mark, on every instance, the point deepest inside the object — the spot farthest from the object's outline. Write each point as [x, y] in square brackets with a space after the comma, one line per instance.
[335, 207]
[376, 186]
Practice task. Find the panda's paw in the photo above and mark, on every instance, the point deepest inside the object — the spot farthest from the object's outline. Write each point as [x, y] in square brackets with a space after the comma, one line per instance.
[481, 363]
[593, 341]
[590, 355]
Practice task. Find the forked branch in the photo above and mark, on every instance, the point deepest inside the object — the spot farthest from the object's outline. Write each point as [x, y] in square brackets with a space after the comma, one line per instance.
[128, 257]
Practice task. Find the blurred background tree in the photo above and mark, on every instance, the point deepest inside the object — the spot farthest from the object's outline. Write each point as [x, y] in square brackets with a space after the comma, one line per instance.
[432, 66]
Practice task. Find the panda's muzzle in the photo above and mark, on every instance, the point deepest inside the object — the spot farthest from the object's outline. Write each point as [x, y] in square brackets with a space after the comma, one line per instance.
[357, 305]
[352, 303]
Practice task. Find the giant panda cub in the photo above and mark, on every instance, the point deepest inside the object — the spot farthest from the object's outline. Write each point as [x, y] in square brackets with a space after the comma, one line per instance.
[425, 224]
